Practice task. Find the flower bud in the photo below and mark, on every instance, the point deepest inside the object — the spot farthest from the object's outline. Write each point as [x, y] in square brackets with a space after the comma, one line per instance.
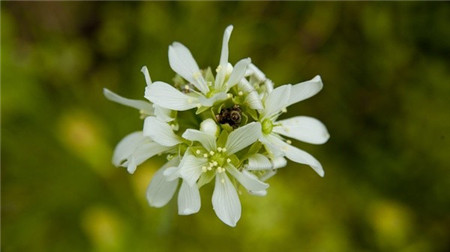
[209, 127]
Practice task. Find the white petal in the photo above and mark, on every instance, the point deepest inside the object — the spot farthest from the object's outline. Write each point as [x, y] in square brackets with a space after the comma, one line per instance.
[254, 101]
[246, 179]
[148, 80]
[191, 168]
[243, 137]
[172, 173]
[142, 153]
[304, 90]
[160, 191]
[182, 62]
[278, 162]
[225, 200]
[253, 70]
[303, 128]
[220, 77]
[276, 101]
[127, 146]
[160, 132]
[238, 73]
[188, 199]
[269, 86]
[274, 150]
[163, 114]
[145, 106]
[245, 86]
[208, 141]
[166, 96]
[268, 174]
[298, 155]
[258, 162]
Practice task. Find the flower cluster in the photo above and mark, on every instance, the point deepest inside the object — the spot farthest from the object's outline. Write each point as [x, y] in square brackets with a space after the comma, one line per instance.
[222, 128]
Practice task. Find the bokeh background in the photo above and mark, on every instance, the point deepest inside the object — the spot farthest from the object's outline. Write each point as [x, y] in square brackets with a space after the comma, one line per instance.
[386, 103]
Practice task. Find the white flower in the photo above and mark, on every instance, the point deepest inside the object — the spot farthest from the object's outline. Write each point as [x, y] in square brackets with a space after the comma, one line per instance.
[215, 160]
[303, 128]
[207, 93]
[134, 149]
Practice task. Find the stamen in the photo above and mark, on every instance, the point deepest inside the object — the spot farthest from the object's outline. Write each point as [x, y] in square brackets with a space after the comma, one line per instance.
[211, 153]
[229, 95]
[228, 160]
[198, 152]
[241, 93]
[186, 87]
[205, 155]
[215, 163]
[204, 168]
[219, 149]
[288, 141]
[284, 110]
[224, 149]
[219, 68]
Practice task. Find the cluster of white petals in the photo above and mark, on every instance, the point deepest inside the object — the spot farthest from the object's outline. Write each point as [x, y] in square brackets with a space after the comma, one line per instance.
[221, 128]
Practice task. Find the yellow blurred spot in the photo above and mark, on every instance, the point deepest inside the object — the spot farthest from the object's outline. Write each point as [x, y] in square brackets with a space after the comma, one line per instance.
[141, 179]
[104, 228]
[82, 136]
[391, 222]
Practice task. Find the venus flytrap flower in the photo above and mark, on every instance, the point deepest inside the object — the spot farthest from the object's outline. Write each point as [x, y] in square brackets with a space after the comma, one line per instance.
[215, 159]
[234, 137]
[208, 92]
[306, 129]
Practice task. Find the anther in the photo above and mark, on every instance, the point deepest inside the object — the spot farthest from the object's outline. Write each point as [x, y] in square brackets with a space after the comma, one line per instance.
[211, 153]
[198, 152]
[241, 93]
[215, 163]
[205, 155]
[219, 149]
[228, 160]
[204, 168]
[288, 141]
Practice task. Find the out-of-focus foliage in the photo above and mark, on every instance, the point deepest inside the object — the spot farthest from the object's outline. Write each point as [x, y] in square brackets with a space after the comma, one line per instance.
[386, 103]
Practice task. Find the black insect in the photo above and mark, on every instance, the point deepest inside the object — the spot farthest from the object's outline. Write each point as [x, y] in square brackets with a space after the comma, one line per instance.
[232, 116]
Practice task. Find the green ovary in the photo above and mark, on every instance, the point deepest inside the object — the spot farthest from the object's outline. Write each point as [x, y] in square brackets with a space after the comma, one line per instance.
[267, 126]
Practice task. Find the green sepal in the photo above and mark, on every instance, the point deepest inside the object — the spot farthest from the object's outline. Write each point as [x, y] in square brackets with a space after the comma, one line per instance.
[244, 119]
[209, 76]
[254, 148]
[201, 110]
[252, 113]
[235, 160]
[205, 178]
[222, 140]
[226, 127]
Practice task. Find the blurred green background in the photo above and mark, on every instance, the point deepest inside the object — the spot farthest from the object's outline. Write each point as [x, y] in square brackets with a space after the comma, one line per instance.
[386, 103]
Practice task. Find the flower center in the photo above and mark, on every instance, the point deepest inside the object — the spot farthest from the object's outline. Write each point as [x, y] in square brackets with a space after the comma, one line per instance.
[267, 126]
[216, 160]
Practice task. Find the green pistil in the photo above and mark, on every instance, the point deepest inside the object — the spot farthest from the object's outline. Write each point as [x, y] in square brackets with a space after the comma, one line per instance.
[267, 126]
